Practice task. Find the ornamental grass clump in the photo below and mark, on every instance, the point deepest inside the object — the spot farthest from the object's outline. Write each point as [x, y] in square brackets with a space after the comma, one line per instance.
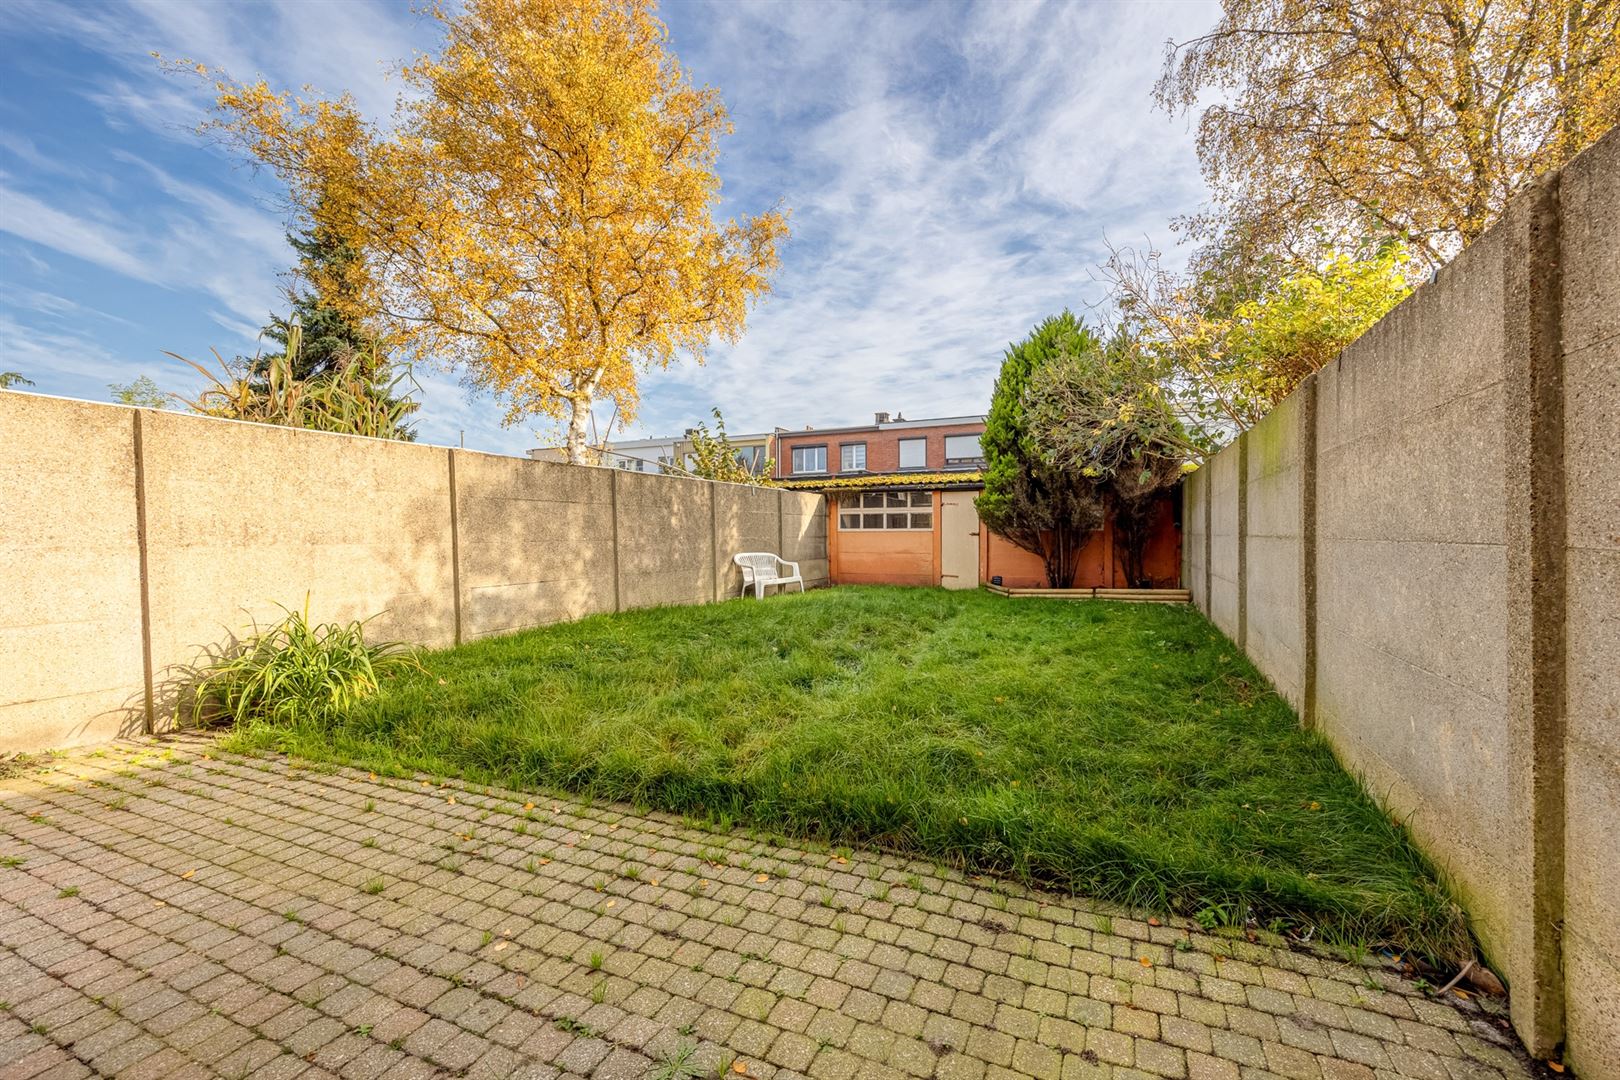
[293, 673]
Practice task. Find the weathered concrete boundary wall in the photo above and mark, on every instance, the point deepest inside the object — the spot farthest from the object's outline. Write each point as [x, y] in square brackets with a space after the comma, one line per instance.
[131, 541]
[1421, 549]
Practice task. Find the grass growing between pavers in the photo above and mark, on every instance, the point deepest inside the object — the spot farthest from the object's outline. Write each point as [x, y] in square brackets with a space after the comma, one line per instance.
[1125, 752]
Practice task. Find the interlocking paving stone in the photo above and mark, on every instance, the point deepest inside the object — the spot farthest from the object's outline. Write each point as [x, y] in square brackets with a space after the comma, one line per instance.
[170, 910]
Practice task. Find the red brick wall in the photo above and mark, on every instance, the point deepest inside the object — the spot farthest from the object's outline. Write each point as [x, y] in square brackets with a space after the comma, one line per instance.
[882, 447]
[1099, 567]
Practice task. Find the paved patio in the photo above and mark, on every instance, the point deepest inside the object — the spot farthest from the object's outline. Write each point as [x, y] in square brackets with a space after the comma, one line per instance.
[166, 910]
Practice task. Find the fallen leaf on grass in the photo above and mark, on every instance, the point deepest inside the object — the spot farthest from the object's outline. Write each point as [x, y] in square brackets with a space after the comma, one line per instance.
[763, 878]
[1146, 962]
[740, 1068]
[528, 806]
[1153, 922]
[451, 800]
[188, 873]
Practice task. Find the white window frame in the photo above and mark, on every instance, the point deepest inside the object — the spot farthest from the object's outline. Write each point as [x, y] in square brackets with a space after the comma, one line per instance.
[910, 443]
[886, 511]
[819, 454]
[848, 453]
[954, 459]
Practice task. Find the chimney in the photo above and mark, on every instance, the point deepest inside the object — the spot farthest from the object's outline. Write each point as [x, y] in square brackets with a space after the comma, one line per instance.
[882, 417]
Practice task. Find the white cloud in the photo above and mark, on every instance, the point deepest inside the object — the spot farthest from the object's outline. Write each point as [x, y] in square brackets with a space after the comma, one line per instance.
[952, 171]
[936, 217]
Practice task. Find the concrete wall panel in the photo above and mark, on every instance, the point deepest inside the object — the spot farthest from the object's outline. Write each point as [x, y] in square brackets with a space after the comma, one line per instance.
[804, 533]
[1274, 549]
[1192, 528]
[1411, 579]
[1222, 490]
[71, 665]
[746, 519]
[1590, 243]
[666, 540]
[244, 517]
[536, 542]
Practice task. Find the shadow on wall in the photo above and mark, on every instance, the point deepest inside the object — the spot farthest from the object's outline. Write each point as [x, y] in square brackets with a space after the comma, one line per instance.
[145, 541]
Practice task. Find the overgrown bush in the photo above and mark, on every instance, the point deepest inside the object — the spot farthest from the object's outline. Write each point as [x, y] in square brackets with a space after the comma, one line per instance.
[293, 672]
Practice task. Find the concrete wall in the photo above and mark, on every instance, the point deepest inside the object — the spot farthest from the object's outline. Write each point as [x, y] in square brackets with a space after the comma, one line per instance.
[1273, 587]
[132, 541]
[71, 658]
[1195, 538]
[1420, 548]
[1590, 319]
[536, 542]
[804, 534]
[1225, 591]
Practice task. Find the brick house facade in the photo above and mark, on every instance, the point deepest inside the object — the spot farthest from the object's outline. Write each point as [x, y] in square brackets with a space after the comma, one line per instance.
[947, 444]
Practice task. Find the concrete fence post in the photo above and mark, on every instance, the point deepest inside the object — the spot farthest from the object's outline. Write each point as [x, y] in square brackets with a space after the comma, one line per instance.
[714, 541]
[148, 703]
[1243, 445]
[613, 515]
[1307, 551]
[455, 545]
[1205, 496]
[1533, 432]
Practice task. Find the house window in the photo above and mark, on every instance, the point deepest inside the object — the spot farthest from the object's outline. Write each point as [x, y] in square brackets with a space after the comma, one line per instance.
[852, 457]
[869, 510]
[809, 459]
[963, 450]
[913, 453]
[748, 457]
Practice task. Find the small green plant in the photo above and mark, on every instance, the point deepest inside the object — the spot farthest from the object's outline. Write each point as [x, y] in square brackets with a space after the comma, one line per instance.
[371, 804]
[70, 891]
[370, 841]
[292, 916]
[11, 862]
[374, 886]
[1215, 916]
[596, 960]
[293, 672]
[599, 993]
[676, 1064]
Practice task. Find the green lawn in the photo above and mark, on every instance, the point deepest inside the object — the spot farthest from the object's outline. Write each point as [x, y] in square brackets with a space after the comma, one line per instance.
[1123, 751]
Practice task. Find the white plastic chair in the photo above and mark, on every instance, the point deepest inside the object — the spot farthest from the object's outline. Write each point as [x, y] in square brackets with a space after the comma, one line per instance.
[761, 568]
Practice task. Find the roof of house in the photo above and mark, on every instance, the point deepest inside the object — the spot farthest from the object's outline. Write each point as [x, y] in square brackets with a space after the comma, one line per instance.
[887, 425]
[897, 481]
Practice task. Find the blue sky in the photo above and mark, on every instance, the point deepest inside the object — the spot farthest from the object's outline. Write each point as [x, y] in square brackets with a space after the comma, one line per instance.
[952, 171]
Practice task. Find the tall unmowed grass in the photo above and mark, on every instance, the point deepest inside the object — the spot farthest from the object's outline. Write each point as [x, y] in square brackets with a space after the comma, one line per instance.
[1125, 752]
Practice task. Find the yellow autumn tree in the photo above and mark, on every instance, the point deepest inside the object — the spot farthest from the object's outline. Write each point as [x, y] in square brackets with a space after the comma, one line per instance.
[1339, 119]
[540, 208]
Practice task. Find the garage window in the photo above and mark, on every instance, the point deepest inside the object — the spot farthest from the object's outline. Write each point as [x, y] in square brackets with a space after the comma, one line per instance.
[891, 510]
